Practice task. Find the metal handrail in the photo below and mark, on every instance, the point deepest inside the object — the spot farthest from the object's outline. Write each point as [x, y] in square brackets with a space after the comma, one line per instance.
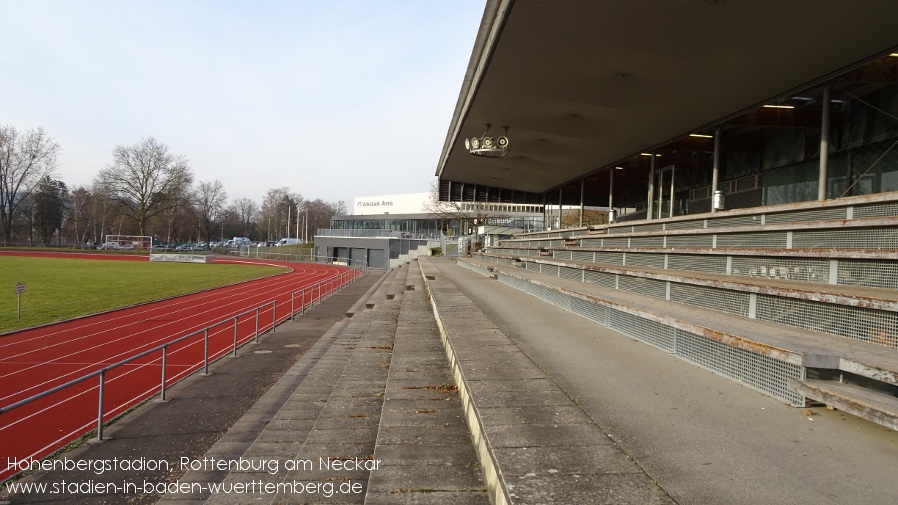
[343, 278]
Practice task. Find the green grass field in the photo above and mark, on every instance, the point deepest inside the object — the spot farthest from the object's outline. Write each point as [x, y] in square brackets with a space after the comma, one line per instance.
[59, 289]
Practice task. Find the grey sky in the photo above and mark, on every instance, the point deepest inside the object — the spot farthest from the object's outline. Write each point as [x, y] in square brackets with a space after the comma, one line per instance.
[334, 99]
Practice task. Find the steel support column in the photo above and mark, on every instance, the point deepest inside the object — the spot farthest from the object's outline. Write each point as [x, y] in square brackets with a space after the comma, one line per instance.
[715, 171]
[824, 141]
[650, 201]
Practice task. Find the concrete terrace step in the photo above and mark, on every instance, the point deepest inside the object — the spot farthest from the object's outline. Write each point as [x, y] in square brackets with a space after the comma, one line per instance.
[422, 440]
[870, 268]
[822, 308]
[283, 417]
[786, 344]
[879, 407]
[856, 296]
[535, 444]
[354, 422]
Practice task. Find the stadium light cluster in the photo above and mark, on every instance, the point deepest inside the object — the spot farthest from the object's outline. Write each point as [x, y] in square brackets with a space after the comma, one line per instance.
[488, 147]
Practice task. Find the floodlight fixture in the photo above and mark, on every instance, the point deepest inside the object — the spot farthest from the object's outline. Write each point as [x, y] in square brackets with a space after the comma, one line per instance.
[488, 147]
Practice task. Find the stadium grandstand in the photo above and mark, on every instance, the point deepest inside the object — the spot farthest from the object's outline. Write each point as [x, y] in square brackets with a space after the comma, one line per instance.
[748, 155]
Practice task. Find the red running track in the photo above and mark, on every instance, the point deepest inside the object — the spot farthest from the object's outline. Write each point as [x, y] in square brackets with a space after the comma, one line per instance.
[36, 360]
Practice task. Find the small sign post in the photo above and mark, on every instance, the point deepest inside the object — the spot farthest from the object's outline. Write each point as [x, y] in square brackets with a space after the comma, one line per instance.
[20, 288]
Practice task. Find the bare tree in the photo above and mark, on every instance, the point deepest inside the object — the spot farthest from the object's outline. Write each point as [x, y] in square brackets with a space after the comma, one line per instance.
[209, 200]
[279, 207]
[146, 180]
[246, 212]
[81, 215]
[25, 159]
[320, 213]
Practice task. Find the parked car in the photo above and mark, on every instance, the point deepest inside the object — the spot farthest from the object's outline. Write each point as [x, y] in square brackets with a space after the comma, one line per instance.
[184, 247]
[109, 246]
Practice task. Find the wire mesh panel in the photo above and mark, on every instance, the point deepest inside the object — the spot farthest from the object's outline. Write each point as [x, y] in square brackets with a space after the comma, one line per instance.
[563, 255]
[771, 240]
[648, 227]
[607, 242]
[581, 256]
[873, 274]
[721, 300]
[647, 241]
[592, 311]
[554, 297]
[610, 258]
[760, 372]
[642, 286]
[531, 266]
[686, 225]
[648, 260]
[703, 240]
[885, 209]
[797, 216]
[757, 371]
[548, 270]
[571, 273]
[650, 332]
[601, 279]
[697, 263]
[591, 242]
[618, 229]
[725, 222]
[793, 269]
[868, 325]
[476, 268]
[858, 238]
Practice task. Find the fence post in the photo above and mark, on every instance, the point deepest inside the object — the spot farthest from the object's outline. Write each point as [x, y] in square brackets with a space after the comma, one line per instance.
[164, 361]
[302, 303]
[257, 325]
[293, 306]
[274, 317]
[236, 318]
[100, 406]
[206, 353]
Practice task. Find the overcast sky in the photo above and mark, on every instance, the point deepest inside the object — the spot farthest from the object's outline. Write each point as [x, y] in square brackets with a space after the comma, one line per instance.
[334, 99]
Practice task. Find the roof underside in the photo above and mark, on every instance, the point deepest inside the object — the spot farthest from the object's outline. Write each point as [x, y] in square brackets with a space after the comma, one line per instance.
[584, 85]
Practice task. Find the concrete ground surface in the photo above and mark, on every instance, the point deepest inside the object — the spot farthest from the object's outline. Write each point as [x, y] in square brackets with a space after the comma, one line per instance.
[648, 427]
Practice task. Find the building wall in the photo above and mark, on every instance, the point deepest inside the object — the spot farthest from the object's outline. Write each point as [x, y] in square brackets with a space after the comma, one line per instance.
[379, 252]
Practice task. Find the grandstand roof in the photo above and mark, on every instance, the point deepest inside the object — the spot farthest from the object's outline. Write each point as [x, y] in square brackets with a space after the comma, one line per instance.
[584, 85]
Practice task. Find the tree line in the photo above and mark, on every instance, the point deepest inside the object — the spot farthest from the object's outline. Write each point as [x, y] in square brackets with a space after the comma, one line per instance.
[145, 190]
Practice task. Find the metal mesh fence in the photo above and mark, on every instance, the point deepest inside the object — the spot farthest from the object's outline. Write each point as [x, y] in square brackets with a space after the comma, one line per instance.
[858, 323]
[798, 269]
[877, 274]
[757, 371]
[858, 238]
[647, 260]
[868, 325]
[697, 263]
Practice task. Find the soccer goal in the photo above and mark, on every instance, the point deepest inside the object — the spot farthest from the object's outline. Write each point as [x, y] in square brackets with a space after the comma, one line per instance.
[128, 242]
